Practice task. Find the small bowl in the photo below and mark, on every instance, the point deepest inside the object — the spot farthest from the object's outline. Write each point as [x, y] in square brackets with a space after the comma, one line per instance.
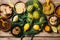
[52, 11]
[19, 34]
[7, 22]
[50, 29]
[15, 8]
[57, 9]
[6, 16]
[49, 20]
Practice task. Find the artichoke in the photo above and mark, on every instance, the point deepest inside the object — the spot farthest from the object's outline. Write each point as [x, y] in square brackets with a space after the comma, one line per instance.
[30, 8]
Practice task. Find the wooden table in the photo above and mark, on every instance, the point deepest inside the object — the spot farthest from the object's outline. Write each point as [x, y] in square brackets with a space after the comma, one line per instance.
[41, 36]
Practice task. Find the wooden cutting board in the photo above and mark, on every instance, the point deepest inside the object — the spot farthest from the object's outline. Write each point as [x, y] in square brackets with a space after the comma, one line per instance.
[41, 34]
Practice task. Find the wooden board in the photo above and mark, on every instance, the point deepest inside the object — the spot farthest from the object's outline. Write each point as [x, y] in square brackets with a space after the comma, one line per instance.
[8, 34]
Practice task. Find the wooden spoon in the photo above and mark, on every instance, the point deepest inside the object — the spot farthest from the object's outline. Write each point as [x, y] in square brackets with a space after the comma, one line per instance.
[47, 1]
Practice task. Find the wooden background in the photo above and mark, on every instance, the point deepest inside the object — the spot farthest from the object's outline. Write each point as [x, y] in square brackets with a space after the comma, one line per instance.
[40, 36]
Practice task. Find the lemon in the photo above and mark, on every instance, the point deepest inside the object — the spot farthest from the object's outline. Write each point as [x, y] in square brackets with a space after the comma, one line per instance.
[36, 15]
[15, 18]
[36, 27]
[42, 20]
[26, 27]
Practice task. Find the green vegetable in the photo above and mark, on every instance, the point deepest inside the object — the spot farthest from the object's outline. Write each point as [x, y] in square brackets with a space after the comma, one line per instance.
[29, 18]
[21, 19]
[42, 20]
[58, 28]
[34, 12]
[36, 15]
[30, 15]
[37, 4]
[29, 2]
[30, 8]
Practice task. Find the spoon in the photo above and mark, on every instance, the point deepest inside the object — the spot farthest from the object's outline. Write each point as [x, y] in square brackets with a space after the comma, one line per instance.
[48, 5]
[47, 1]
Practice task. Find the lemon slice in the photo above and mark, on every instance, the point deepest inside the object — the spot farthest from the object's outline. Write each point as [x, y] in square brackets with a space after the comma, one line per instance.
[15, 18]
[54, 29]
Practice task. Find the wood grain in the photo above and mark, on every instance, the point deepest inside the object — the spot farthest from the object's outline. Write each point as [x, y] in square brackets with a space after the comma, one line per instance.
[41, 36]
